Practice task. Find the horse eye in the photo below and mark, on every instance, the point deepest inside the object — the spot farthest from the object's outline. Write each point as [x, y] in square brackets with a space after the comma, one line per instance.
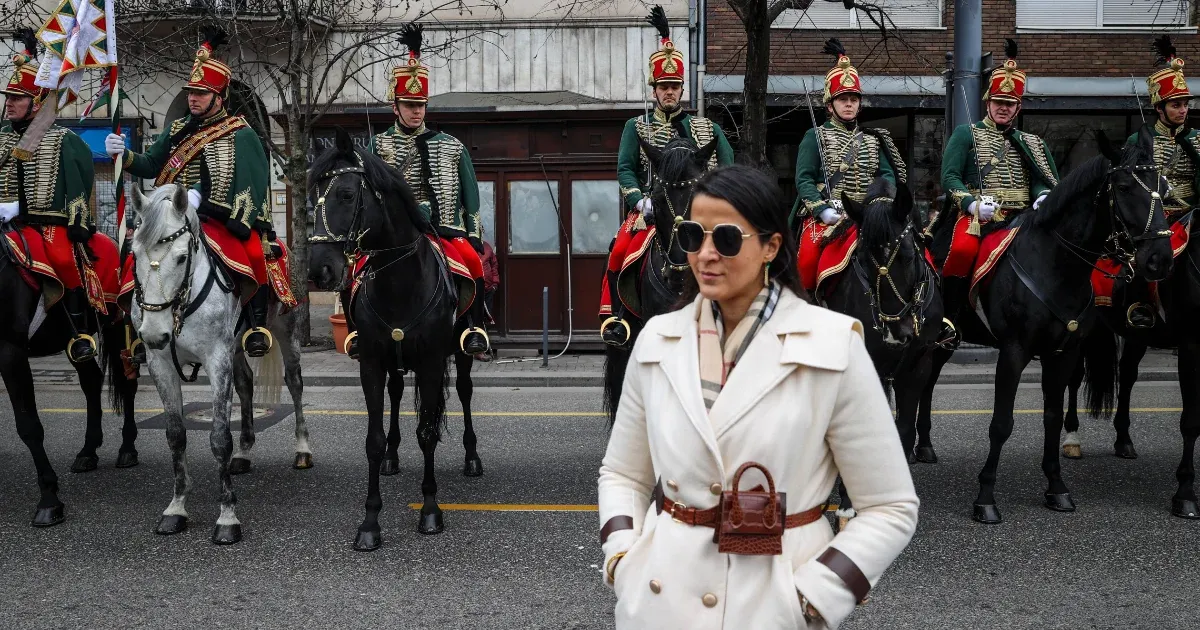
[181, 259]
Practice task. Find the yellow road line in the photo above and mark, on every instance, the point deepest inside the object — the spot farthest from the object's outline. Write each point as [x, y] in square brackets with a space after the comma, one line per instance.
[526, 507]
[596, 414]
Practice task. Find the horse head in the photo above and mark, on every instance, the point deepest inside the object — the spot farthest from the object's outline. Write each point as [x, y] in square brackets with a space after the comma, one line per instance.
[675, 167]
[890, 260]
[1136, 189]
[165, 246]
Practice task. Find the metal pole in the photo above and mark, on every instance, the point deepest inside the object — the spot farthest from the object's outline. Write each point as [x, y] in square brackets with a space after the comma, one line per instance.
[948, 75]
[968, 48]
[545, 327]
[702, 54]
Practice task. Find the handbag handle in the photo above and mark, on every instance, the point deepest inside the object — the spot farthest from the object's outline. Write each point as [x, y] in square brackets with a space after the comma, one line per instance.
[736, 517]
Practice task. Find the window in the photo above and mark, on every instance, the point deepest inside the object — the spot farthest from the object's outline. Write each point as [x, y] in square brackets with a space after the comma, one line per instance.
[1072, 139]
[533, 217]
[1094, 14]
[487, 211]
[595, 215]
[822, 14]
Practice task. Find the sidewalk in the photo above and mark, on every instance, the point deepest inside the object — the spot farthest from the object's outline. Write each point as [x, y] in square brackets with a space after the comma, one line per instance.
[518, 369]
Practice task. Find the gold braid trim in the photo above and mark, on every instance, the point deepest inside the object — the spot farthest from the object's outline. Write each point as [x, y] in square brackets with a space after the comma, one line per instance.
[897, 160]
[702, 134]
[41, 173]
[1038, 150]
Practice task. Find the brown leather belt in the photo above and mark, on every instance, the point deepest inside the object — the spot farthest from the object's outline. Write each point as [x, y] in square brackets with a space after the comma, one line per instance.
[711, 517]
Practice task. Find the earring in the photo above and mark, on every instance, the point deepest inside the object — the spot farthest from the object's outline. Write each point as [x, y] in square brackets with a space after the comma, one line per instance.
[767, 273]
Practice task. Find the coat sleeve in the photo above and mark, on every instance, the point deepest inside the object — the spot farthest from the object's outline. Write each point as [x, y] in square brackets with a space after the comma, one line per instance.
[628, 158]
[866, 449]
[954, 166]
[77, 178]
[627, 472]
[809, 178]
[724, 150]
[150, 163]
[469, 192]
[1039, 184]
[251, 178]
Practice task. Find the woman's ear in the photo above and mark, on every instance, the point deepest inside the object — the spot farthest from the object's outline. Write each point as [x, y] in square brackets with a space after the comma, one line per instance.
[772, 247]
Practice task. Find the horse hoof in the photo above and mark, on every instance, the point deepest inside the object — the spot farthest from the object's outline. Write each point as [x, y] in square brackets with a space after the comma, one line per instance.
[1185, 508]
[389, 466]
[431, 523]
[51, 516]
[239, 466]
[473, 467]
[127, 459]
[1125, 451]
[926, 455]
[171, 524]
[1072, 451]
[987, 514]
[912, 459]
[227, 534]
[85, 463]
[367, 540]
[1060, 502]
[303, 461]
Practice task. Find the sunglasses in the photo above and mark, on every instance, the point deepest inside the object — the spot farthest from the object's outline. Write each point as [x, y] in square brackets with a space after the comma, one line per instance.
[727, 238]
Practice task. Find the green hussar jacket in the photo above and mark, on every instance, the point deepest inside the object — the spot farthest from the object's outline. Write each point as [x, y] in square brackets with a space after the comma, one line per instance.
[1019, 177]
[439, 170]
[1177, 155]
[231, 173]
[657, 129]
[56, 184]
[876, 155]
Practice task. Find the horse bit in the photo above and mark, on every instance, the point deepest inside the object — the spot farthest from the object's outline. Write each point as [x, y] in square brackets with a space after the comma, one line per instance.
[666, 254]
[181, 301]
[1119, 252]
[908, 307]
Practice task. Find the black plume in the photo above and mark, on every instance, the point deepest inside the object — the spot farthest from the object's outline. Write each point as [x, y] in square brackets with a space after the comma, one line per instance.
[1010, 48]
[1164, 49]
[658, 19]
[410, 36]
[25, 36]
[214, 36]
[834, 47]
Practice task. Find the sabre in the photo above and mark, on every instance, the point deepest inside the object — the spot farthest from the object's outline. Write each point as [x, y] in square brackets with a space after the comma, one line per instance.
[820, 148]
[974, 229]
[1139, 98]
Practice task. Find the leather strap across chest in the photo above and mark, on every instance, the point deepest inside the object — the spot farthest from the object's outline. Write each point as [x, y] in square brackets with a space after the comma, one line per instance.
[194, 144]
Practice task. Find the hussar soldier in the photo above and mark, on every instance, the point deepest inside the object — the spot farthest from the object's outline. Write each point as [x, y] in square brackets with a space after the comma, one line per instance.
[220, 160]
[992, 172]
[657, 128]
[838, 158]
[47, 193]
[438, 168]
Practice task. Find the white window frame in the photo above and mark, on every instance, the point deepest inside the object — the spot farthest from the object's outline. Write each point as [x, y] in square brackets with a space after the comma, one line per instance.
[1185, 28]
[793, 19]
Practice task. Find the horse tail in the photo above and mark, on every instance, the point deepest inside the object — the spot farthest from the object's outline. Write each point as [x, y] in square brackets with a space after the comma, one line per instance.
[114, 343]
[615, 361]
[1100, 365]
[440, 423]
[268, 376]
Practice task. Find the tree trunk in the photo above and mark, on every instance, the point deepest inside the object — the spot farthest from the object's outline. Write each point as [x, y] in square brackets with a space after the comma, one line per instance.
[297, 174]
[754, 96]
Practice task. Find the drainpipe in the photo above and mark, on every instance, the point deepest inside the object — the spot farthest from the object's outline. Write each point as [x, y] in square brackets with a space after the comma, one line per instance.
[702, 53]
[968, 48]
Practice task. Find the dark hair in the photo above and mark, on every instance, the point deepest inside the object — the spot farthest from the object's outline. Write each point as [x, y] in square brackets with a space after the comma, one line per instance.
[757, 197]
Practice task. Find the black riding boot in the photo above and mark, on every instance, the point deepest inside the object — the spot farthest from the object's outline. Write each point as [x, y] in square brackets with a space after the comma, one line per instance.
[82, 346]
[1140, 313]
[475, 339]
[954, 296]
[257, 341]
[137, 351]
[350, 346]
[615, 330]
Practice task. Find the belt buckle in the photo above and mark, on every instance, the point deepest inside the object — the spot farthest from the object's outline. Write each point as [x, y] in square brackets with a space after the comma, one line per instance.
[677, 506]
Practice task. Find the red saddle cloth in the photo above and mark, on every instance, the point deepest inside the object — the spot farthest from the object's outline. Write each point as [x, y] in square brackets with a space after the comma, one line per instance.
[991, 250]
[630, 259]
[1103, 284]
[49, 262]
[824, 261]
[459, 271]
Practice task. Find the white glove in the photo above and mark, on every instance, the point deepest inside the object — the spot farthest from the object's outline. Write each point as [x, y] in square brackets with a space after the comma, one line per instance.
[1042, 197]
[985, 211]
[829, 216]
[646, 208]
[114, 144]
[9, 210]
[194, 198]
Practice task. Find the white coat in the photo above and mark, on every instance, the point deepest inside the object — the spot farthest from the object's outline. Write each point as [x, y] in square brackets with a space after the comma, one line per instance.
[804, 400]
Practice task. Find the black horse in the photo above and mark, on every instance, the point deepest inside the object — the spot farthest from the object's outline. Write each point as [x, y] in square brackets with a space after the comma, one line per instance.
[51, 338]
[659, 281]
[1180, 299]
[1038, 301]
[404, 307]
[891, 287]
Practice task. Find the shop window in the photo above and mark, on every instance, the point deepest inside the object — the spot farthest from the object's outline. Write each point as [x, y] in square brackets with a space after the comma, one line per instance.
[595, 215]
[1071, 138]
[533, 217]
[925, 166]
[487, 210]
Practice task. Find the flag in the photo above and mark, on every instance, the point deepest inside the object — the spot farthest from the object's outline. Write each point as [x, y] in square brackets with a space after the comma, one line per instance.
[103, 97]
[80, 35]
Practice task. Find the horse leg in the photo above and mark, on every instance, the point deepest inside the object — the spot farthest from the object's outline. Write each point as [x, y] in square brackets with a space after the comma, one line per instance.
[1183, 504]
[18, 380]
[1131, 358]
[243, 381]
[925, 452]
[1009, 366]
[295, 384]
[432, 412]
[91, 381]
[372, 374]
[1054, 384]
[221, 373]
[391, 458]
[174, 519]
[1071, 446]
[465, 387]
[124, 391]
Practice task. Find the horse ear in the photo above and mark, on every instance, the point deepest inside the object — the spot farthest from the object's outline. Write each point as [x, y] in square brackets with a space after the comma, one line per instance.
[1107, 149]
[343, 142]
[138, 199]
[654, 153]
[705, 153]
[853, 209]
[180, 200]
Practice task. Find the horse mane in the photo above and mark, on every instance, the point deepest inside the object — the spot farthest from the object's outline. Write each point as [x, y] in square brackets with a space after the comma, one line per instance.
[676, 161]
[875, 230]
[154, 225]
[1141, 152]
[388, 181]
[1079, 182]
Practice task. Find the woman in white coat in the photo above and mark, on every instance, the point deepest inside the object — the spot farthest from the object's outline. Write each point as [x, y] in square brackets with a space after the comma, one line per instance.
[747, 371]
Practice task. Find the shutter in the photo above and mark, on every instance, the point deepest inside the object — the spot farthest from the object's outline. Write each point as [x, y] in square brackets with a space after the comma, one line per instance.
[907, 14]
[1146, 12]
[820, 15]
[1059, 15]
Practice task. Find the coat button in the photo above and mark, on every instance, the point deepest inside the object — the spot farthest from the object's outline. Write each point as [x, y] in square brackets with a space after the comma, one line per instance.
[672, 485]
[709, 600]
[655, 587]
[715, 488]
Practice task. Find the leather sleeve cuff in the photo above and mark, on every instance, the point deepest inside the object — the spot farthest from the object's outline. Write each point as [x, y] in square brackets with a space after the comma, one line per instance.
[845, 568]
[615, 524]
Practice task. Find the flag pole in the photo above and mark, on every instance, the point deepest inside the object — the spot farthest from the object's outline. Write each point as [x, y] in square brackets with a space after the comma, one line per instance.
[114, 102]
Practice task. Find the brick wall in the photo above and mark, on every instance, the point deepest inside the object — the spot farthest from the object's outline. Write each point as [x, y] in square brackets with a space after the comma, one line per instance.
[923, 52]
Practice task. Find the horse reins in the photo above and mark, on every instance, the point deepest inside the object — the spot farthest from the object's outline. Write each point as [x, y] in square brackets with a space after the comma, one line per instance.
[666, 253]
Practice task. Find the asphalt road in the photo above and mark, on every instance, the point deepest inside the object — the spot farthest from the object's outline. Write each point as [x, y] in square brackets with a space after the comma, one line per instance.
[1120, 561]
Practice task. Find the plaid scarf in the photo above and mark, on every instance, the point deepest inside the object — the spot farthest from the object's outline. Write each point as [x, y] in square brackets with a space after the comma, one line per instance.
[719, 353]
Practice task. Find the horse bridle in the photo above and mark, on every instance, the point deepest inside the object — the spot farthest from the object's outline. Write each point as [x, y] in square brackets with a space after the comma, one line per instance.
[910, 307]
[1121, 236]
[181, 301]
[678, 218]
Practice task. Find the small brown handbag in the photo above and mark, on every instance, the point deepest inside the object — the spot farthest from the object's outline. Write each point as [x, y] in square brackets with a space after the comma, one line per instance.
[752, 521]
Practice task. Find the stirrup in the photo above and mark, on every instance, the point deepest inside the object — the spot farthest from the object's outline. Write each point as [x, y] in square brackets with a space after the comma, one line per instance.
[84, 337]
[953, 340]
[462, 339]
[260, 329]
[616, 320]
[132, 349]
[1138, 306]
[346, 344]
